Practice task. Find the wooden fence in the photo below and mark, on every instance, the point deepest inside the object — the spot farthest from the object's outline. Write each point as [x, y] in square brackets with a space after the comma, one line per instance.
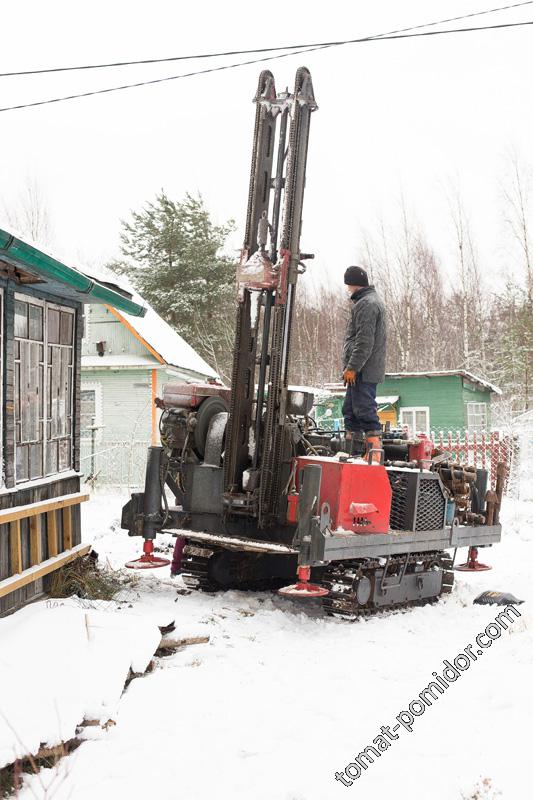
[482, 450]
[39, 542]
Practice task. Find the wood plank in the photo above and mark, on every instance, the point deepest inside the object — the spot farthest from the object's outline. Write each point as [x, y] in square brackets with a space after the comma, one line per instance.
[15, 546]
[41, 507]
[67, 527]
[36, 555]
[40, 570]
[51, 531]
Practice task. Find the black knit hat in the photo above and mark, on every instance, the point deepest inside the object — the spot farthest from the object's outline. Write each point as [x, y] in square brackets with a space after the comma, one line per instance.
[355, 276]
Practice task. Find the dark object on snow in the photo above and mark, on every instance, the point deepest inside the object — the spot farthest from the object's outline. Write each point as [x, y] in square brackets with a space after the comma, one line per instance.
[497, 599]
[168, 628]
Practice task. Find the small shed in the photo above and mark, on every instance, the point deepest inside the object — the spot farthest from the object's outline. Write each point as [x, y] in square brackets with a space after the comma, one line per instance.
[423, 401]
[41, 327]
[440, 401]
[125, 361]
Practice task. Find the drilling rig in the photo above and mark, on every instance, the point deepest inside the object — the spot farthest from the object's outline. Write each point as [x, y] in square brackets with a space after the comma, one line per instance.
[261, 495]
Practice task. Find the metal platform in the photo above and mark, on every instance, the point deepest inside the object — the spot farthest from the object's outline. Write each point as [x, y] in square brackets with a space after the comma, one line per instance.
[334, 547]
[340, 546]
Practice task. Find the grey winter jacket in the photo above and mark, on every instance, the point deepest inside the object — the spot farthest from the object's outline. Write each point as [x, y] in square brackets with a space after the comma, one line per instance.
[365, 342]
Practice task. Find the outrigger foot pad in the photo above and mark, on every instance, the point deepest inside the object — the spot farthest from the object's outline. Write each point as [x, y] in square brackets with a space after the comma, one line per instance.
[303, 588]
[147, 560]
[472, 565]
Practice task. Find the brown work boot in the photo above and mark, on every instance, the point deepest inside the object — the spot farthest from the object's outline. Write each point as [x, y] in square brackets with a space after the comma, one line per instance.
[355, 443]
[373, 442]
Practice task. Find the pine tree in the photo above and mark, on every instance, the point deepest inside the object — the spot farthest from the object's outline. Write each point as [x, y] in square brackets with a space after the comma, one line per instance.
[172, 256]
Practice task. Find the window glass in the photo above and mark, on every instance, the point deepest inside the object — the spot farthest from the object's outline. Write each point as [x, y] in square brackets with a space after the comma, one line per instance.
[53, 326]
[476, 416]
[36, 323]
[43, 390]
[66, 327]
[416, 419]
[21, 318]
[421, 418]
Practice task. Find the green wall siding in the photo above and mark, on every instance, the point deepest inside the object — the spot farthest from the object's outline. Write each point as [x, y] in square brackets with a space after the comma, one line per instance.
[126, 397]
[443, 395]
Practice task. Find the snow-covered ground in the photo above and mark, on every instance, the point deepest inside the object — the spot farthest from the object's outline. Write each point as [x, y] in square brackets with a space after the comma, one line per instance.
[283, 697]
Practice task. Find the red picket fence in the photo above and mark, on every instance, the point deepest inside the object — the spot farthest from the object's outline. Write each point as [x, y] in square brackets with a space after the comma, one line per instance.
[483, 450]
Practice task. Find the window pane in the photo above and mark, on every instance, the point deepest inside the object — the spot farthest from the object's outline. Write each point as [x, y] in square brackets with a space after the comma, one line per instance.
[21, 319]
[67, 327]
[407, 419]
[36, 460]
[22, 463]
[53, 326]
[36, 323]
[17, 392]
[421, 422]
[64, 454]
[51, 458]
[54, 376]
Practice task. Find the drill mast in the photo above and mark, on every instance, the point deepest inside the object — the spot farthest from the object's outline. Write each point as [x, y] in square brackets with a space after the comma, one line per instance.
[267, 276]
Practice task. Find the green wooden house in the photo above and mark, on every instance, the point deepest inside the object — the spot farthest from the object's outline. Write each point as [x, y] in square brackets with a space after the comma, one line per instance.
[448, 400]
[125, 362]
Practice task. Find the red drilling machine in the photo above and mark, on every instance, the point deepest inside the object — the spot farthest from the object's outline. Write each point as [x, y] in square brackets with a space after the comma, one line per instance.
[261, 494]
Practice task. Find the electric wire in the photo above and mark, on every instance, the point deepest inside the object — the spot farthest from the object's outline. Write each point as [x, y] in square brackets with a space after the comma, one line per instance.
[220, 68]
[259, 49]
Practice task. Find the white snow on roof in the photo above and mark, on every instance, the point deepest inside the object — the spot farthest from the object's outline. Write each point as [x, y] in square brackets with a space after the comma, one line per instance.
[387, 398]
[435, 373]
[172, 348]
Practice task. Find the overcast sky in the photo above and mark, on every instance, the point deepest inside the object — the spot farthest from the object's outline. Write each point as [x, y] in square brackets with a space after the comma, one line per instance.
[395, 116]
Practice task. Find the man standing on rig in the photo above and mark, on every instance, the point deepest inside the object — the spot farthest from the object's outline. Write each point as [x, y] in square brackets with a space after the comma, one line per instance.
[363, 354]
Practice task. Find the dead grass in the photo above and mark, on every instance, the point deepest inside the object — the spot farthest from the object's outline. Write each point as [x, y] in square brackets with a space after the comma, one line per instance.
[83, 578]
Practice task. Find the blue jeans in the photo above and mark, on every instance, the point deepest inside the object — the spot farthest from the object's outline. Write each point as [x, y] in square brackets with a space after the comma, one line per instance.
[360, 408]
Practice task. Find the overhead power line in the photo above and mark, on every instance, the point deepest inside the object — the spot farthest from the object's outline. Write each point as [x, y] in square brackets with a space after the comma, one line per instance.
[301, 47]
[379, 38]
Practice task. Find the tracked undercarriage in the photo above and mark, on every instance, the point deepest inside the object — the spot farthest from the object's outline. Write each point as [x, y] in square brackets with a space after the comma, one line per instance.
[357, 587]
[365, 586]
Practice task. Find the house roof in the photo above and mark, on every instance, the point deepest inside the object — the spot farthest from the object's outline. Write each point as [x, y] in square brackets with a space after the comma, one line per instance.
[437, 373]
[29, 259]
[163, 342]
[336, 388]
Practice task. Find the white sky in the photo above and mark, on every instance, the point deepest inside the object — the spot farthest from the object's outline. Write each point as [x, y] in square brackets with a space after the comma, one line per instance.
[405, 116]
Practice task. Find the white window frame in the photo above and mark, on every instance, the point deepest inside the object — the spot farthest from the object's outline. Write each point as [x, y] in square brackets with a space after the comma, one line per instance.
[96, 387]
[475, 428]
[45, 305]
[413, 410]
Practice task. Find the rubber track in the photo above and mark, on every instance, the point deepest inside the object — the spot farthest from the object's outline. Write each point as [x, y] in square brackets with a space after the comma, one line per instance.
[339, 579]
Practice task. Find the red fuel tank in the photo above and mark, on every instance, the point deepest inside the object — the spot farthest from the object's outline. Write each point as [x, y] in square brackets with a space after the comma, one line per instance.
[359, 494]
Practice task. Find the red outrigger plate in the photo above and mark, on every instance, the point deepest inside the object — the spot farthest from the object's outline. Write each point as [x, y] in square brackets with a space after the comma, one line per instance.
[475, 567]
[304, 590]
[147, 562]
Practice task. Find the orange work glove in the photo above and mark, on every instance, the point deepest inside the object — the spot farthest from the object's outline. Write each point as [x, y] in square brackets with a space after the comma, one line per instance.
[349, 376]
